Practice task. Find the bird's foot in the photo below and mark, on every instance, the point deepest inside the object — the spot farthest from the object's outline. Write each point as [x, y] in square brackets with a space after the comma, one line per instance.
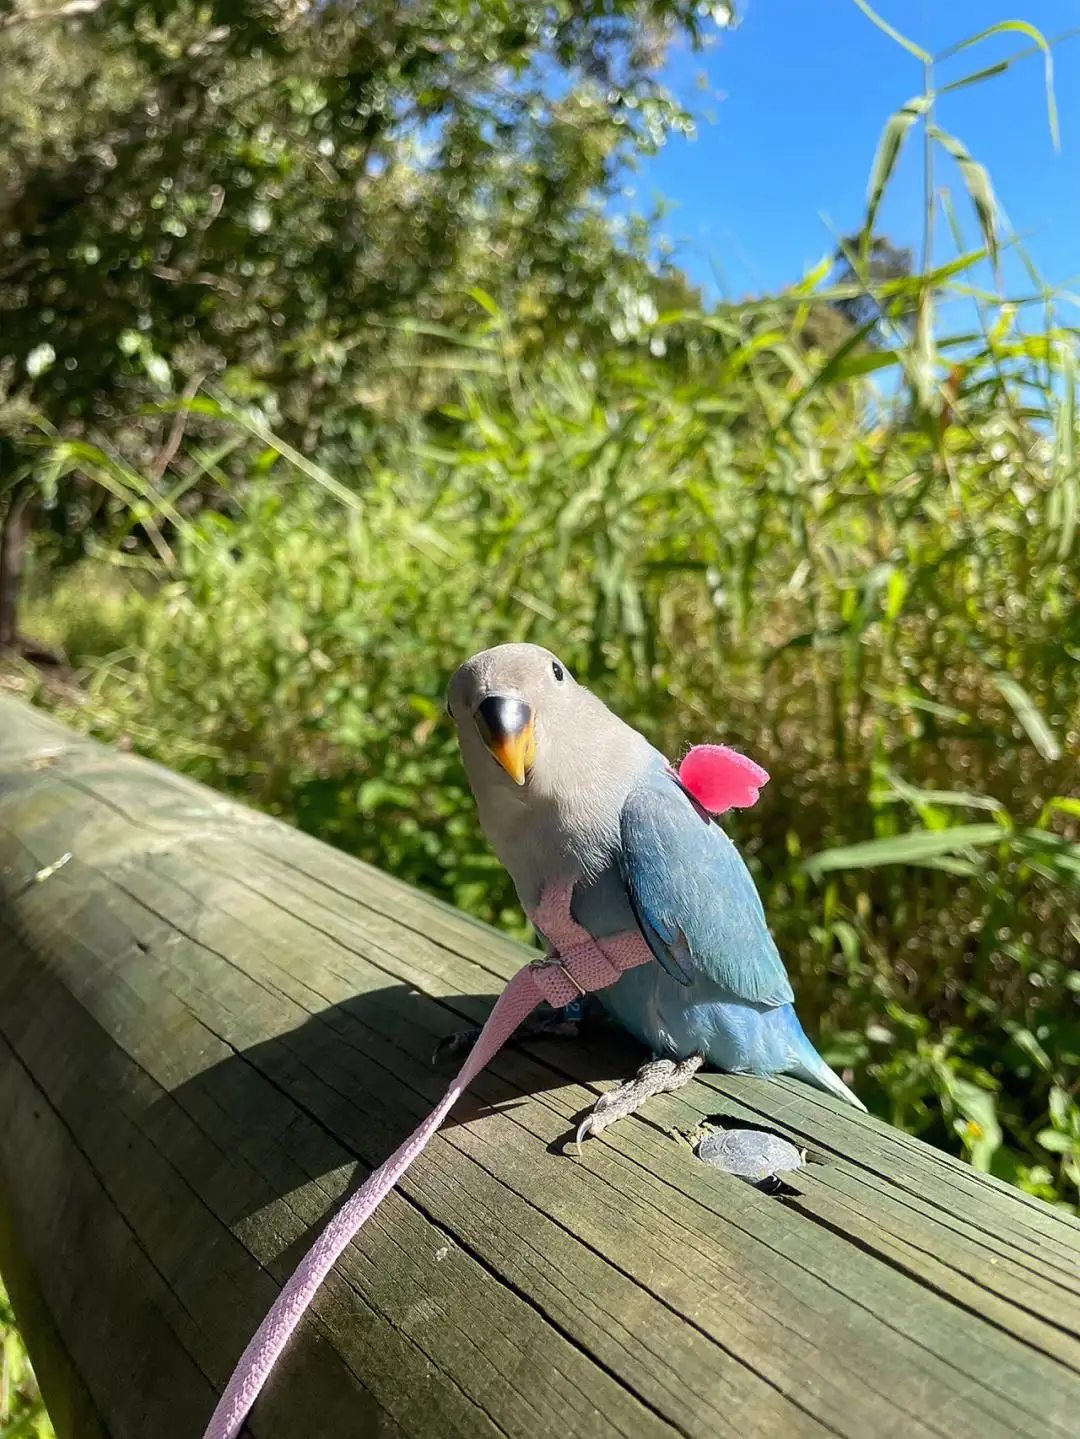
[659, 1076]
[548, 1024]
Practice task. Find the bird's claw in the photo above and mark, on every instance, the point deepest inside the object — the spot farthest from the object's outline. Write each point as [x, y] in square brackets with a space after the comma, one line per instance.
[548, 1024]
[659, 1076]
[595, 1122]
[454, 1043]
[584, 1129]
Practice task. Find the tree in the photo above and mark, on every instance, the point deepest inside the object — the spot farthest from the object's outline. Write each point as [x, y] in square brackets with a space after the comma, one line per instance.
[865, 265]
[270, 188]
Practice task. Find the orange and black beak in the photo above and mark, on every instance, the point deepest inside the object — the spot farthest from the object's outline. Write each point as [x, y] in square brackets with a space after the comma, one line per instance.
[506, 726]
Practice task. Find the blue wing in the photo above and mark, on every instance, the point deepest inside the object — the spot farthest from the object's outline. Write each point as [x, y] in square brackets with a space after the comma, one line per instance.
[693, 897]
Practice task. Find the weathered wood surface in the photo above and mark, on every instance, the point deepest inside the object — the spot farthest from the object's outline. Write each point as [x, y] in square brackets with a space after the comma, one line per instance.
[211, 1027]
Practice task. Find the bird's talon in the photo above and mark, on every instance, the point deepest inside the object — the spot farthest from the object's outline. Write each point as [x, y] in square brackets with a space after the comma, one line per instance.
[452, 1043]
[659, 1076]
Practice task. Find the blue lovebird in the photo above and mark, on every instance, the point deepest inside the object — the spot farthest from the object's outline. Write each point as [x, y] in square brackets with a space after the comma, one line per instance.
[576, 803]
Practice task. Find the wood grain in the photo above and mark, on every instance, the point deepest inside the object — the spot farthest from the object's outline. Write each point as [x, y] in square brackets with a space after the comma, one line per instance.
[212, 1027]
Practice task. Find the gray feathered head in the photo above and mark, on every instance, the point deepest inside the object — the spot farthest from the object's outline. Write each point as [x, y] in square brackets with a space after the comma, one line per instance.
[525, 724]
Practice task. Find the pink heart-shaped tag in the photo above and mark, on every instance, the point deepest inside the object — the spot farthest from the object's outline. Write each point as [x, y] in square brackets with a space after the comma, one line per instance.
[721, 779]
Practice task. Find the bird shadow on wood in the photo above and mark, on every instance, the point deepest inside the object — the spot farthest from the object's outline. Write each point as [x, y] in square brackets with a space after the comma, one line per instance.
[342, 1090]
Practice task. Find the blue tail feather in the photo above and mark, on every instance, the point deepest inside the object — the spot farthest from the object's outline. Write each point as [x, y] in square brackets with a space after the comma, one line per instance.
[808, 1064]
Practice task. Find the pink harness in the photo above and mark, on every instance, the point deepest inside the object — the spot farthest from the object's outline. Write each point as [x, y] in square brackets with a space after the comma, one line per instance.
[581, 965]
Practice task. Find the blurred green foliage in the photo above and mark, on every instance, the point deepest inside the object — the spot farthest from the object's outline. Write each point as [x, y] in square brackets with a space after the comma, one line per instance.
[364, 380]
[22, 1414]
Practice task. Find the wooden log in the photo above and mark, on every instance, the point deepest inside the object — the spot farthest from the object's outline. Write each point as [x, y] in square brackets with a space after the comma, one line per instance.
[211, 1027]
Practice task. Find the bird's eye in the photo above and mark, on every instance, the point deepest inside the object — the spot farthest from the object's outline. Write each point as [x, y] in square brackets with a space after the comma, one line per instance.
[557, 670]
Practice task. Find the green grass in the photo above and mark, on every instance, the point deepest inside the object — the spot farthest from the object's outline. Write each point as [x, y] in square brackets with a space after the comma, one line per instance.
[22, 1414]
[87, 612]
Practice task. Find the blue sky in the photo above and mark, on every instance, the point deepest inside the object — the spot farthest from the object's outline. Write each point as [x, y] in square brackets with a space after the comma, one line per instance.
[799, 93]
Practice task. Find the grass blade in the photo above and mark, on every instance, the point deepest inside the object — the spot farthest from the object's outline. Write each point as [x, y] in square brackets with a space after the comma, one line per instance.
[886, 28]
[919, 847]
[1015, 27]
[1067, 479]
[1023, 706]
[888, 153]
[977, 182]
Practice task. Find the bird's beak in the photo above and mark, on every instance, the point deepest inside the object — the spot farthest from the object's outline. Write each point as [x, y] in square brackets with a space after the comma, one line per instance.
[506, 726]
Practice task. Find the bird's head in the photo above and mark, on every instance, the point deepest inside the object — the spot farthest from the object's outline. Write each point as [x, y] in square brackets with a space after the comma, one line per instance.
[515, 707]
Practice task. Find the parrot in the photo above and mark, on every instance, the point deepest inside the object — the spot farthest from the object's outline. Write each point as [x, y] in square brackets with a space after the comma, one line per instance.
[574, 801]
[618, 862]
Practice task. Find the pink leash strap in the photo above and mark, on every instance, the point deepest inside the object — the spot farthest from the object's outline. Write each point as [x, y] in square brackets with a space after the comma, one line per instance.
[583, 964]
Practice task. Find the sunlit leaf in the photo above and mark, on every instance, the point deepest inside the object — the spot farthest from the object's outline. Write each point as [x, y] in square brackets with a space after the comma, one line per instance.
[920, 847]
[1023, 706]
[888, 153]
[977, 182]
